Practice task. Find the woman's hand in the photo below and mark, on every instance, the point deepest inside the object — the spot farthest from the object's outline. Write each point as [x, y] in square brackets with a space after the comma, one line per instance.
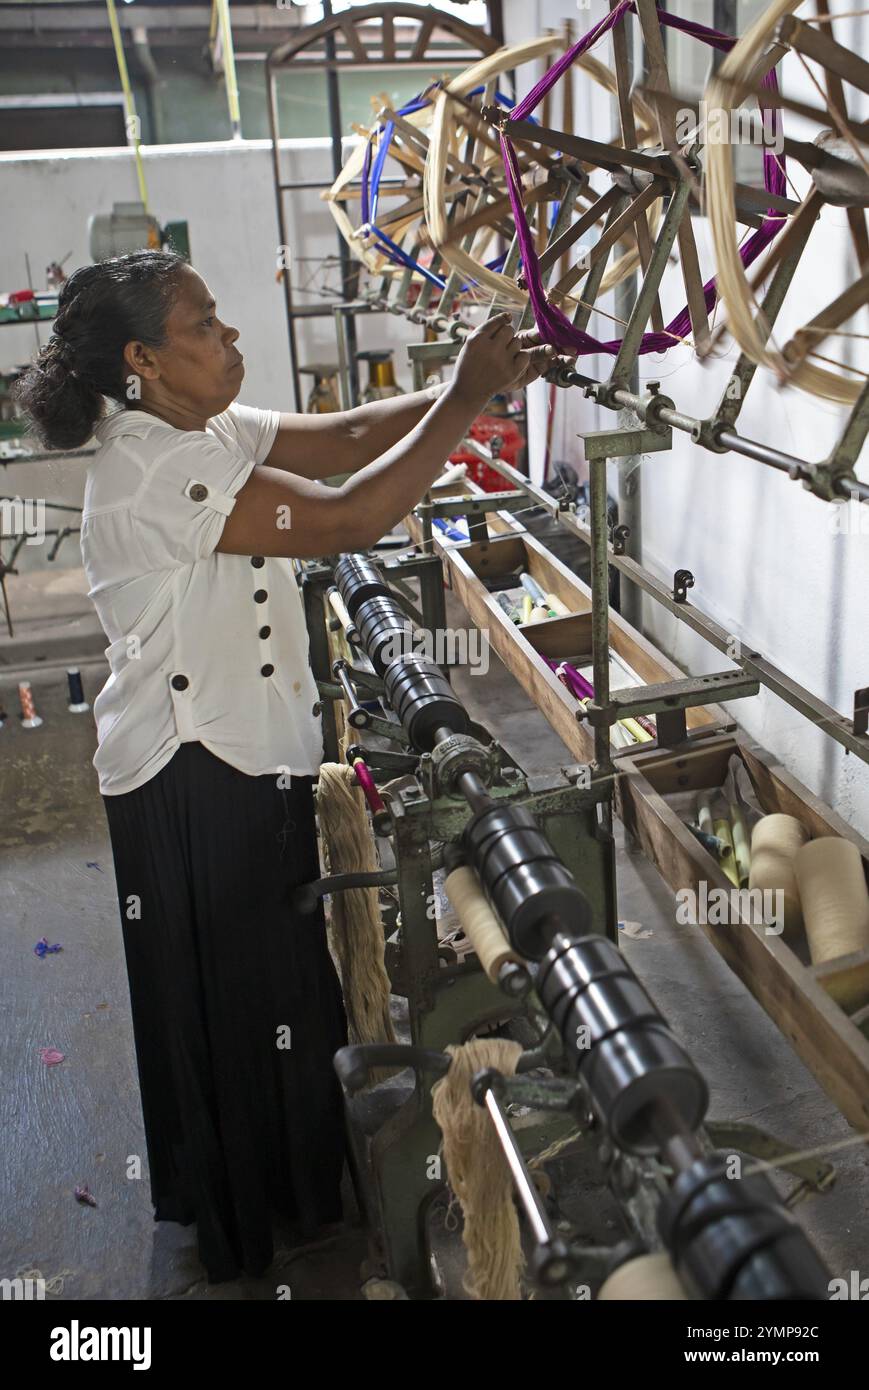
[530, 338]
[493, 360]
[537, 361]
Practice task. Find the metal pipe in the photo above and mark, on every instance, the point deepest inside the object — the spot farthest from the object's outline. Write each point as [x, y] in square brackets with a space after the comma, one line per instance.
[474, 791]
[152, 80]
[527, 1192]
[349, 268]
[272, 106]
[800, 469]
[600, 605]
[228, 55]
[630, 480]
[764, 453]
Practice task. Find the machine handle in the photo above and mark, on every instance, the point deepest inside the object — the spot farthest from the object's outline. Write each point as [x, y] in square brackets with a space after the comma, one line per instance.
[307, 895]
[358, 718]
[354, 1064]
[375, 801]
[339, 608]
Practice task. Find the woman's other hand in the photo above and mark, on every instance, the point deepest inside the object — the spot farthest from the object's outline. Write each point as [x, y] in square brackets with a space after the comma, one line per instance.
[493, 360]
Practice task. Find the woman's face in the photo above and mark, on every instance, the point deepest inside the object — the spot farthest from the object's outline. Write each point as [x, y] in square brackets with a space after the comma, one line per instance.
[199, 370]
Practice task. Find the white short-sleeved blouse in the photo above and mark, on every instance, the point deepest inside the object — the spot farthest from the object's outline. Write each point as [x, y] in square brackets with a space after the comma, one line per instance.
[202, 646]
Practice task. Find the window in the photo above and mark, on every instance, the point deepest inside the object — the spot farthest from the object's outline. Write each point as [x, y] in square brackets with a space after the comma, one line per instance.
[65, 121]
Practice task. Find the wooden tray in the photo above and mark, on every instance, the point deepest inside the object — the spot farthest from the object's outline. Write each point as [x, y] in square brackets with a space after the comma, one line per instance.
[523, 648]
[820, 1008]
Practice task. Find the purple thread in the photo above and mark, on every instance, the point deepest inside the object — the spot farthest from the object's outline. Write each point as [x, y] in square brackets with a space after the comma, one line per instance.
[554, 326]
[576, 682]
[42, 948]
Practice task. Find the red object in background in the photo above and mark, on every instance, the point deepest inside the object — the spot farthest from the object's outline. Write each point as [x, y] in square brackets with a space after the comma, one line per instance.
[20, 297]
[484, 429]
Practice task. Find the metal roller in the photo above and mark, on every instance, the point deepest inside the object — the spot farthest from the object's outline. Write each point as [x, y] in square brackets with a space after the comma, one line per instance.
[357, 580]
[385, 631]
[527, 884]
[423, 699]
[640, 1080]
[731, 1238]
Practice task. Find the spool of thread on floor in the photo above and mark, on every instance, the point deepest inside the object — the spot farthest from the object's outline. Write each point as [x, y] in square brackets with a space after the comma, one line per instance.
[647, 1277]
[775, 841]
[29, 718]
[834, 897]
[77, 702]
[479, 922]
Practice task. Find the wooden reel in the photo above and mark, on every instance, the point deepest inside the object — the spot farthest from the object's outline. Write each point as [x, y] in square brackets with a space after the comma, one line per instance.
[399, 222]
[464, 216]
[839, 166]
[455, 232]
[472, 159]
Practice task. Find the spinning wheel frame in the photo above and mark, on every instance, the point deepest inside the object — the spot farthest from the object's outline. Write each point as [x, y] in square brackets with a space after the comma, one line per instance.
[735, 79]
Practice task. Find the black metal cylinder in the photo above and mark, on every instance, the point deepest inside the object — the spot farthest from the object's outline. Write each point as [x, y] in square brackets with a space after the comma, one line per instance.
[385, 631]
[628, 1060]
[423, 699]
[527, 884]
[357, 580]
[731, 1238]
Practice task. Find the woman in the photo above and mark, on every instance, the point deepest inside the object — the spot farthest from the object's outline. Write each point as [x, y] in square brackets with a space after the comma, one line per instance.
[208, 727]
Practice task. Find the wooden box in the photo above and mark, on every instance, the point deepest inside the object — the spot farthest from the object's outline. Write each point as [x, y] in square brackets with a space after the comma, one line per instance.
[821, 1009]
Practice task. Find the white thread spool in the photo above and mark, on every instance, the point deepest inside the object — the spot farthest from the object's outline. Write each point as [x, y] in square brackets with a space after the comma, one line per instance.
[834, 897]
[336, 603]
[558, 606]
[775, 841]
[741, 850]
[479, 922]
[646, 1277]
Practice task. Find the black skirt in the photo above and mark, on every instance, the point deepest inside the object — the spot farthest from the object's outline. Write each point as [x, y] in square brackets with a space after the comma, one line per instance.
[237, 1009]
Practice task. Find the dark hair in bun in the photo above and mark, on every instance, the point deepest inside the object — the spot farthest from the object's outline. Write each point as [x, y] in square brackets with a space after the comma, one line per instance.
[101, 308]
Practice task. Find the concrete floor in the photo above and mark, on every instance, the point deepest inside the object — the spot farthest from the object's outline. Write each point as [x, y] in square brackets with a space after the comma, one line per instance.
[79, 1122]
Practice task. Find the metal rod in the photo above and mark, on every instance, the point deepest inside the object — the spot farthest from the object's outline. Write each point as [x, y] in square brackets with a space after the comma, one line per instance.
[527, 1192]
[474, 791]
[630, 479]
[798, 468]
[648, 292]
[600, 606]
[764, 453]
[349, 268]
[327, 183]
[272, 106]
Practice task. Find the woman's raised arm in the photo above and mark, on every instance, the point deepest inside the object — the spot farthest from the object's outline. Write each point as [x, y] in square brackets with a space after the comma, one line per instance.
[288, 514]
